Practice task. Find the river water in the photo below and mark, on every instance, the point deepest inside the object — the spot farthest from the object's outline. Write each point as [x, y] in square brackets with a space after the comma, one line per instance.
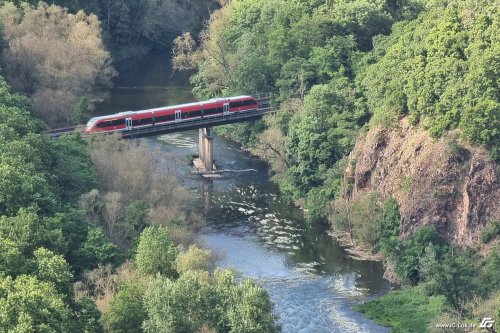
[310, 278]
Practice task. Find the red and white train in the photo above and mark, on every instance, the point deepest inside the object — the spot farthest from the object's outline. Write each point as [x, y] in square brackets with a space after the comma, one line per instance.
[168, 114]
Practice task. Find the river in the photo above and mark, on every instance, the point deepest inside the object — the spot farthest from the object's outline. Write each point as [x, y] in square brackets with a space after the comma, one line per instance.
[310, 278]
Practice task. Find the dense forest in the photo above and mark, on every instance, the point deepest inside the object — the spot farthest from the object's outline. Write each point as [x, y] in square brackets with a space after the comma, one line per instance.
[64, 56]
[94, 235]
[68, 215]
[338, 71]
[85, 249]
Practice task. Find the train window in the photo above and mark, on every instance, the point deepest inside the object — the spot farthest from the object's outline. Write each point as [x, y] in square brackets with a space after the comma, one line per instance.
[249, 102]
[236, 104]
[211, 111]
[144, 121]
[220, 109]
[104, 124]
[195, 113]
[117, 122]
[169, 117]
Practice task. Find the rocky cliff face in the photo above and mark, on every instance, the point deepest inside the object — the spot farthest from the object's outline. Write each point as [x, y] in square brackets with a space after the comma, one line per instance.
[452, 186]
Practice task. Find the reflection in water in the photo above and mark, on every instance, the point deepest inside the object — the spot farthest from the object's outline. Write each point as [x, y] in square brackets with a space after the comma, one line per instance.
[310, 278]
[179, 140]
[148, 84]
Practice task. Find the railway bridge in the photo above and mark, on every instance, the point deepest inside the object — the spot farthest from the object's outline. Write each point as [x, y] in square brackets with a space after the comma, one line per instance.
[205, 163]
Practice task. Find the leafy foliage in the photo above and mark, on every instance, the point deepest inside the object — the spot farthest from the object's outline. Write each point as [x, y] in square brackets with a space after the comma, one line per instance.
[28, 304]
[156, 252]
[196, 300]
[53, 56]
[73, 167]
[194, 259]
[126, 312]
[410, 252]
[369, 220]
[39, 231]
[490, 232]
[453, 277]
[441, 70]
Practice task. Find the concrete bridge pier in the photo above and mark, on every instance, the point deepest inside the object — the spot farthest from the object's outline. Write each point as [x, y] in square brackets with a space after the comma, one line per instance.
[205, 163]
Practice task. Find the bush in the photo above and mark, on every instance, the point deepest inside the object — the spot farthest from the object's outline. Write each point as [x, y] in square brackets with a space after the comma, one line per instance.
[490, 232]
[369, 220]
[409, 253]
[455, 277]
[194, 259]
[389, 223]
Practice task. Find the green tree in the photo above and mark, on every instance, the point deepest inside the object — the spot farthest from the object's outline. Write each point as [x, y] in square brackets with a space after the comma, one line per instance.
[54, 269]
[389, 226]
[80, 112]
[177, 306]
[126, 310]
[252, 312]
[30, 305]
[25, 182]
[12, 261]
[73, 167]
[321, 134]
[194, 259]
[97, 249]
[156, 252]
[87, 317]
[408, 253]
[440, 69]
[454, 277]
[197, 300]
[30, 232]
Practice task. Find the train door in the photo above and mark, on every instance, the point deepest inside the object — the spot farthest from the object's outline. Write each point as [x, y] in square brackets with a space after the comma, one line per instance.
[178, 115]
[226, 108]
[128, 123]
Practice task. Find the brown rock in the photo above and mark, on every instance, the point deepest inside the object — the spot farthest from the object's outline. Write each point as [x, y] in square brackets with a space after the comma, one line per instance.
[450, 185]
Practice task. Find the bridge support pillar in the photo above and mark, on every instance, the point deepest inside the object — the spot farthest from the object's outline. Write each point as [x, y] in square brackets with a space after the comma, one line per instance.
[206, 139]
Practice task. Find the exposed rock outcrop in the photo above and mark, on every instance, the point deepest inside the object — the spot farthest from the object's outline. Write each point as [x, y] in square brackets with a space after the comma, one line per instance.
[452, 186]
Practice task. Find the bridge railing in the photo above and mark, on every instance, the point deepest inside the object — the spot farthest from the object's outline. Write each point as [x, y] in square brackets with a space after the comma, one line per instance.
[198, 123]
[262, 96]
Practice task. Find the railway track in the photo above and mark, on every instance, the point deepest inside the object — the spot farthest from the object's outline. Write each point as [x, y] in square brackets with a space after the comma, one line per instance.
[54, 133]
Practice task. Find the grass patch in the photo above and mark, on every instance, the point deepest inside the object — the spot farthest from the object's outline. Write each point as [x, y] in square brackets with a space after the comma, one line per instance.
[407, 311]
[405, 184]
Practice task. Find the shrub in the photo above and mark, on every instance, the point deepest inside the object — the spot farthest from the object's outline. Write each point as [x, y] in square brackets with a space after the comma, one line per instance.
[194, 259]
[490, 232]
[408, 253]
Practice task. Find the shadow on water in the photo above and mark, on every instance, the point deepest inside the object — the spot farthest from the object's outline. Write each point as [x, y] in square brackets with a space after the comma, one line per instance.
[312, 281]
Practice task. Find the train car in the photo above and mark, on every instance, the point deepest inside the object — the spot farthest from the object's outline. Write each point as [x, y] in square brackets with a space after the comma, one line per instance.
[159, 116]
